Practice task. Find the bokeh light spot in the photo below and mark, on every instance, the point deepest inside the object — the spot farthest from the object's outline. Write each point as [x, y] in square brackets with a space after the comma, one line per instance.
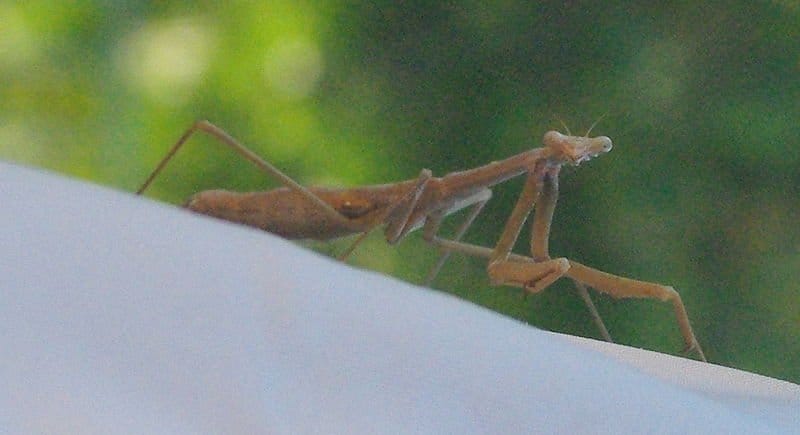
[167, 60]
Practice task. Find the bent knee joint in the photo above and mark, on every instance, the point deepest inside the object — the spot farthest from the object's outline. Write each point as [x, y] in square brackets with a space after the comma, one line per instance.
[670, 294]
[661, 292]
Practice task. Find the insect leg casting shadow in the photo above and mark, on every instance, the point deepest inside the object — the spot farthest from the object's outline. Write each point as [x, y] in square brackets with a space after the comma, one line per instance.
[298, 212]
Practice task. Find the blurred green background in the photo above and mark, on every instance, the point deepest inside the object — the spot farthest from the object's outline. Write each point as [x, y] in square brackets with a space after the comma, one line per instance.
[701, 100]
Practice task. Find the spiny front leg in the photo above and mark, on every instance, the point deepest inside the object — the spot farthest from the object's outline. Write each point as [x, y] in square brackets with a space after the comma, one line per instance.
[533, 277]
[620, 287]
[540, 238]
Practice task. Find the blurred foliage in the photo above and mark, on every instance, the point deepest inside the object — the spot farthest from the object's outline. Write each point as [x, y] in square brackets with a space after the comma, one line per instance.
[701, 100]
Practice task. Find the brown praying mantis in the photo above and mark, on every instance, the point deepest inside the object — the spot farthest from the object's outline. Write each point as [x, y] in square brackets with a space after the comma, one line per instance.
[298, 212]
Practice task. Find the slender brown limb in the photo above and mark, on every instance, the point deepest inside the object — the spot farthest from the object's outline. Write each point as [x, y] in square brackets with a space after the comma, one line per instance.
[516, 271]
[523, 207]
[398, 215]
[533, 277]
[621, 287]
[540, 239]
[402, 210]
[473, 250]
[543, 215]
[583, 292]
[430, 233]
[361, 237]
[225, 138]
[508, 269]
[583, 274]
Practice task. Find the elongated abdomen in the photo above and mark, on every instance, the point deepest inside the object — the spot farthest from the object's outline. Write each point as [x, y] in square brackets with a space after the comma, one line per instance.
[289, 214]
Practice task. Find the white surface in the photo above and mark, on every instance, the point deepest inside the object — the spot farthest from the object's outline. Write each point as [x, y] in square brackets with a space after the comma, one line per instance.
[122, 315]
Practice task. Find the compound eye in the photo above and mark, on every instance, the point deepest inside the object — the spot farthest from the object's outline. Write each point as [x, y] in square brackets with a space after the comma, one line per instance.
[552, 138]
[605, 142]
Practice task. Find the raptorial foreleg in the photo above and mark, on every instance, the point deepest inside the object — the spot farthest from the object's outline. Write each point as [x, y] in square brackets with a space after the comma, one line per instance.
[540, 240]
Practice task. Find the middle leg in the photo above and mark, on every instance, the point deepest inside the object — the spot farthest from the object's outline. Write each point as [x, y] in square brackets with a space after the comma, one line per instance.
[434, 221]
